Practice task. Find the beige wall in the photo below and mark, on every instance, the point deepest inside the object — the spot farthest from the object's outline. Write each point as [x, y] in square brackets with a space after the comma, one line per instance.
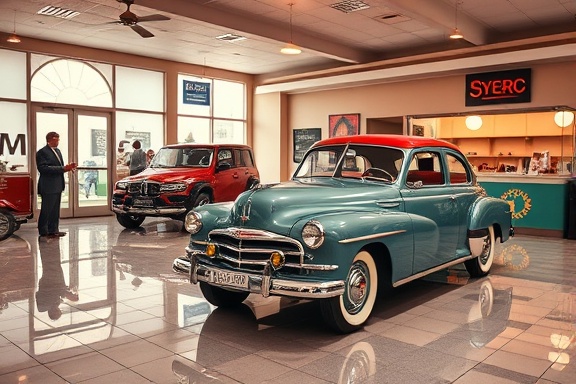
[552, 85]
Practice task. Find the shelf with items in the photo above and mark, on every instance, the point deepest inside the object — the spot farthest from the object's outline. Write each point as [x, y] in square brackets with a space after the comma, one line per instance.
[510, 141]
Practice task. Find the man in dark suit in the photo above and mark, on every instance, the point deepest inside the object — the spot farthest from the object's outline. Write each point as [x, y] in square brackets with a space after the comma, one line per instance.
[50, 164]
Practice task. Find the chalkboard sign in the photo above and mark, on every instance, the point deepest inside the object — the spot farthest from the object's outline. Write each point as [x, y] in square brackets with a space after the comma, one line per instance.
[98, 142]
[303, 139]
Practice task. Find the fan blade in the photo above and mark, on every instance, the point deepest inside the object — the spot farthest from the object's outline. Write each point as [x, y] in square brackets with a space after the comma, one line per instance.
[141, 31]
[155, 17]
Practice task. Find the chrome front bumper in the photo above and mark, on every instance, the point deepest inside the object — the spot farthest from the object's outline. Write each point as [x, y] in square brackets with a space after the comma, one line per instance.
[264, 284]
[139, 211]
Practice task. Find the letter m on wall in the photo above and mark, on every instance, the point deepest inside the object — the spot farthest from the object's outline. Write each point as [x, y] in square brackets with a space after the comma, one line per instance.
[6, 143]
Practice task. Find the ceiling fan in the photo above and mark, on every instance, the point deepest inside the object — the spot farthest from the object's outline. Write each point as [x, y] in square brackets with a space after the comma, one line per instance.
[130, 19]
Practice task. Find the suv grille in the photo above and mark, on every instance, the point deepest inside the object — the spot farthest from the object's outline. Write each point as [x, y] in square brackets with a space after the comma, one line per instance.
[250, 249]
[145, 188]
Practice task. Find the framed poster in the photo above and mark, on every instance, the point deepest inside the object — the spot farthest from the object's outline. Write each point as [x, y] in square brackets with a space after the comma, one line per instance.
[303, 139]
[344, 125]
[98, 142]
[144, 138]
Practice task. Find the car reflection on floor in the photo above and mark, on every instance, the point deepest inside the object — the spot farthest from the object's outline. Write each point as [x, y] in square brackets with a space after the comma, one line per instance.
[486, 314]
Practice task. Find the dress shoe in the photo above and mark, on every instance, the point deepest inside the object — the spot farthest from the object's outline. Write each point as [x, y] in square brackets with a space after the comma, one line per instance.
[57, 234]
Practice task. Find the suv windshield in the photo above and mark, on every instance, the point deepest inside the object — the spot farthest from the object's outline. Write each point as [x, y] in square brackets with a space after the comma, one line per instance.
[354, 161]
[182, 157]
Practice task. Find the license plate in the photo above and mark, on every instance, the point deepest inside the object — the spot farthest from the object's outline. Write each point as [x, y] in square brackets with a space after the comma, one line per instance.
[143, 203]
[229, 279]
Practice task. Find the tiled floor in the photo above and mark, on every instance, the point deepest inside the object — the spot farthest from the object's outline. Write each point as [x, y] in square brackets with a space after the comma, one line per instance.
[129, 319]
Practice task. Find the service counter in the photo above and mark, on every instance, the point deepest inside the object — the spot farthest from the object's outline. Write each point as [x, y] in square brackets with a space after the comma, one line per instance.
[539, 202]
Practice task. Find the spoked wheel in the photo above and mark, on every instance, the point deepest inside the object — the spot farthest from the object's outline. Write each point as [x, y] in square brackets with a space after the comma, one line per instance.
[130, 222]
[7, 224]
[222, 297]
[480, 266]
[350, 311]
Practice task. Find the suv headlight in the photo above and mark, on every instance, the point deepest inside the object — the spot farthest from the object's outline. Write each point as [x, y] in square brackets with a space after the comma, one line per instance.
[313, 234]
[193, 222]
[173, 187]
[121, 185]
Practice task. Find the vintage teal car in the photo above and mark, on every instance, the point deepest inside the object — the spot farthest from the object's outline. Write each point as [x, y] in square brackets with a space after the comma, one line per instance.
[360, 215]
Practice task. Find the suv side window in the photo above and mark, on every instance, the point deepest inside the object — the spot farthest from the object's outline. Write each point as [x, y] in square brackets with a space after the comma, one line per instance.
[245, 158]
[225, 157]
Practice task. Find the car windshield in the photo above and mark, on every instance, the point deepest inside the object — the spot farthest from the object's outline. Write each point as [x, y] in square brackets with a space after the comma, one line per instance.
[353, 161]
[182, 158]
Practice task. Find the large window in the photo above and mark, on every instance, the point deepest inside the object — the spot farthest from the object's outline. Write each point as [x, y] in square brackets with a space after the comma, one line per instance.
[211, 111]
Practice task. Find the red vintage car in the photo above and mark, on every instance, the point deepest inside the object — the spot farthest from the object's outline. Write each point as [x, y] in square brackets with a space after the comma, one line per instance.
[15, 200]
[181, 177]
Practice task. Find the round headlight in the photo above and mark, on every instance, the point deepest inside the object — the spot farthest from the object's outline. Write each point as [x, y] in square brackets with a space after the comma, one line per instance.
[193, 222]
[313, 234]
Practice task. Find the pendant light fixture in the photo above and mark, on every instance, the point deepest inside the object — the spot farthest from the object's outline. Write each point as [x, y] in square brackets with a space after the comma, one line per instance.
[291, 48]
[13, 38]
[456, 34]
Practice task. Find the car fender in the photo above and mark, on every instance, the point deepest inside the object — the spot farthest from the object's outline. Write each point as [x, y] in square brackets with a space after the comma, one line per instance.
[488, 211]
[200, 186]
[214, 216]
[346, 233]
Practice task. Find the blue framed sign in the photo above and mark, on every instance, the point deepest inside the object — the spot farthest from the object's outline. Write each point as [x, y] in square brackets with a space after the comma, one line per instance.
[196, 93]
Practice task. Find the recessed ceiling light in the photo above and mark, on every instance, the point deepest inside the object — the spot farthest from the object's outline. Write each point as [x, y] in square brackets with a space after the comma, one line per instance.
[61, 13]
[230, 37]
[348, 6]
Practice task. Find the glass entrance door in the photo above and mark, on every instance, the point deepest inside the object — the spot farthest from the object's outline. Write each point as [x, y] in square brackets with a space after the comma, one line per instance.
[83, 140]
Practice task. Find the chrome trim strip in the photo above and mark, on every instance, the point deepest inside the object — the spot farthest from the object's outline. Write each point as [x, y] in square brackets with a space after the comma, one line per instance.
[147, 211]
[369, 237]
[432, 270]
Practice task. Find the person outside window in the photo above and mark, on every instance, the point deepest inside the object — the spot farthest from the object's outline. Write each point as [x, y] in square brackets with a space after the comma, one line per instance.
[137, 159]
[90, 177]
[51, 167]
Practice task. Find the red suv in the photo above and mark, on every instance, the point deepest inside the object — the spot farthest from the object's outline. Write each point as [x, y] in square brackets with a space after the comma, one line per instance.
[181, 177]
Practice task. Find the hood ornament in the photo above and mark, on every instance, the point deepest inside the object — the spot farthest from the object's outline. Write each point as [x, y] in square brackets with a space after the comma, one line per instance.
[246, 212]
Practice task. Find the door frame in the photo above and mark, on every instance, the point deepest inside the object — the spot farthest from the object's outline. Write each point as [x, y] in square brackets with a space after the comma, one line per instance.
[73, 209]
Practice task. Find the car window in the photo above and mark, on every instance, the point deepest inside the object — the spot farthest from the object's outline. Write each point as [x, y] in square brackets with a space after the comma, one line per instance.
[246, 158]
[225, 157]
[360, 161]
[320, 162]
[457, 169]
[425, 169]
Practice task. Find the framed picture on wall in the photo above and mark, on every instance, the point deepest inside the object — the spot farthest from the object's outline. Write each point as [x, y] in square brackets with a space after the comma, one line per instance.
[344, 125]
[303, 139]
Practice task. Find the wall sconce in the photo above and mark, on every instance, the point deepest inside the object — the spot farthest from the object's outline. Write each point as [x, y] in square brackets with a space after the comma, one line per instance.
[473, 123]
[563, 118]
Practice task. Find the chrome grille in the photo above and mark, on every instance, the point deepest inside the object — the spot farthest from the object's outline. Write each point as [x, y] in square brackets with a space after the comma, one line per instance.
[251, 249]
[145, 188]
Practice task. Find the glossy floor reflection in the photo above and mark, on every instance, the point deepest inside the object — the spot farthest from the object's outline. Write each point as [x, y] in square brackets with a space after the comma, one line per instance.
[102, 305]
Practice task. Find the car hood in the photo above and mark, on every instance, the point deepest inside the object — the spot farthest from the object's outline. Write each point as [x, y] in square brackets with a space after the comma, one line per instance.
[278, 207]
[171, 175]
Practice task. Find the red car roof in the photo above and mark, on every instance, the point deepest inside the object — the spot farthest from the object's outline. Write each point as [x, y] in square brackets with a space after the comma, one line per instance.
[399, 141]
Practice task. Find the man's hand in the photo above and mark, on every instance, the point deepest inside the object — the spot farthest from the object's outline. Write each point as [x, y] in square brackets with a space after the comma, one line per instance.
[70, 167]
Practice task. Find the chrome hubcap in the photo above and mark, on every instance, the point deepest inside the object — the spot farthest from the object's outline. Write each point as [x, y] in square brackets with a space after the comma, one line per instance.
[486, 250]
[357, 288]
